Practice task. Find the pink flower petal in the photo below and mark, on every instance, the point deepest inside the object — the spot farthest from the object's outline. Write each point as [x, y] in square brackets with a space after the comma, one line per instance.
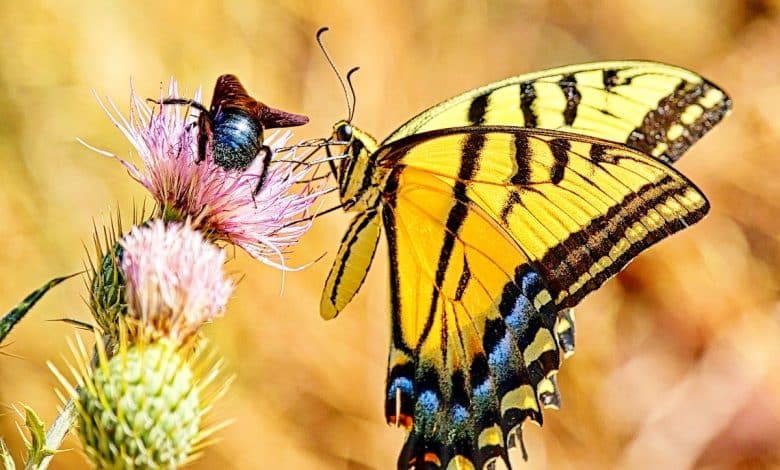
[218, 202]
[174, 277]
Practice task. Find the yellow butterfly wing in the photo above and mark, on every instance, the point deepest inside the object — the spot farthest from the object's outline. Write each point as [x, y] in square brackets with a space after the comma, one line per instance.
[491, 231]
[658, 109]
[358, 246]
[495, 232]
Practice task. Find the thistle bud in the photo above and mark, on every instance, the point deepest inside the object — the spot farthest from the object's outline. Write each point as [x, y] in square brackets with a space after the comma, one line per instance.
[107, 287]
[141, 408]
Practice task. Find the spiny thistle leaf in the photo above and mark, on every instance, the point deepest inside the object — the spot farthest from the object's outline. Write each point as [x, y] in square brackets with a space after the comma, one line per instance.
[108, 287]
[5, 457]
[17, 313]
[36, 447]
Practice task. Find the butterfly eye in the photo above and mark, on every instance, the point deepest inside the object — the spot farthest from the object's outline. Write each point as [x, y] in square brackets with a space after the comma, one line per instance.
[344, 133]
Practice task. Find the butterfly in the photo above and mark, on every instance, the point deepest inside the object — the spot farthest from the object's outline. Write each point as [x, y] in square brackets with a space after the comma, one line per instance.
[502, 208]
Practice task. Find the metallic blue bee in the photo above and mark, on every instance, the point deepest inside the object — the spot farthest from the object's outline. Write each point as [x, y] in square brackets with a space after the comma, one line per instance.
[233, 126]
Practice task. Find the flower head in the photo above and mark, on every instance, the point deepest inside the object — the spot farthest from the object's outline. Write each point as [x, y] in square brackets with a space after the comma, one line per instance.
[220, 202]
[174, 278]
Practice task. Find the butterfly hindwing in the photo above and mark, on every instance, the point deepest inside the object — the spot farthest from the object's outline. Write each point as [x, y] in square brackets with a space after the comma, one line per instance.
[660, 110]
[351, 264]
[472, 336]
[492, 231]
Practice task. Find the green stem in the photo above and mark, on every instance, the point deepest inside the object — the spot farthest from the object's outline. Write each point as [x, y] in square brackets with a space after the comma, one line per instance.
[56, 434]
[62, 425]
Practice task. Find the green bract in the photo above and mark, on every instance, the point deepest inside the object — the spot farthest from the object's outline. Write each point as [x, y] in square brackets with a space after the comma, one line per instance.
[108, 286]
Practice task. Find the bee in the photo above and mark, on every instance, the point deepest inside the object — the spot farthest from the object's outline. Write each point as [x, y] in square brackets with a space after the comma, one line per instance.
[233, 126]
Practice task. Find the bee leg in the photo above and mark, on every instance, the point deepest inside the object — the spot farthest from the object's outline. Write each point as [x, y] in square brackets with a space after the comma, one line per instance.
[187, 130]
[205, 136]
[181, 101]
[266, 153]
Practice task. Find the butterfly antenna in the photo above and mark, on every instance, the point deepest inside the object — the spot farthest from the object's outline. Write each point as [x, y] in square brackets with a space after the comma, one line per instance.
[352, 90]
[333, 66]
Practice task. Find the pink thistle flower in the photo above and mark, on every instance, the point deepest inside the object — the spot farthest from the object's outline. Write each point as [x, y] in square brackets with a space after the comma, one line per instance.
[174, 277]
[221, 203]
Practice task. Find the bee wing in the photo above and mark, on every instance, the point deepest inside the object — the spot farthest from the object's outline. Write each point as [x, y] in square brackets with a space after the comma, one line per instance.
[229, 92]
[271, 118]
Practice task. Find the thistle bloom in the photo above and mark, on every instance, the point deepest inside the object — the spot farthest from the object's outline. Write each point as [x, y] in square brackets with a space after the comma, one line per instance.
[174, 279]
[221, 203]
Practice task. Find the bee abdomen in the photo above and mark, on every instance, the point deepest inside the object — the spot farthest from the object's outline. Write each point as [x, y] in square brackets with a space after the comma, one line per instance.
[237, 139]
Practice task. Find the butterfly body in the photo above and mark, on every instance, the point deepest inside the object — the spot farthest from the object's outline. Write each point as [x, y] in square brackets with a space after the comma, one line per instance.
[502, 208]
[360, 179]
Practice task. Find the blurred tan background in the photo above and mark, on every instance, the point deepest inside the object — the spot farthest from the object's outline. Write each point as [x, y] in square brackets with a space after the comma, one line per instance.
[677, 359]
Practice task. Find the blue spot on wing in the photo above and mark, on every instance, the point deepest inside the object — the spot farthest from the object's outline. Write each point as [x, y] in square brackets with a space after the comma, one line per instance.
[404, 384]
[460, 415]
[500, 357]
[518, 317]
[531, 284]
[428, 403]
[483, 391]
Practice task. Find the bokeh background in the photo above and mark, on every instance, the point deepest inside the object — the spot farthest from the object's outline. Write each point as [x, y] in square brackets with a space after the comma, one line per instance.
[677, 359]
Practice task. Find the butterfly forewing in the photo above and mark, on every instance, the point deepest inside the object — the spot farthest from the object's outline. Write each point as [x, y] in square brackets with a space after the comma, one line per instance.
[580, 208]
[658, 109]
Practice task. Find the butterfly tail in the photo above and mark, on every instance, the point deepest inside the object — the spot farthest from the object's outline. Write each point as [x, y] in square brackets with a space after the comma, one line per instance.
[478, 415]
[565, 330]
[564, 334]
[523, 353]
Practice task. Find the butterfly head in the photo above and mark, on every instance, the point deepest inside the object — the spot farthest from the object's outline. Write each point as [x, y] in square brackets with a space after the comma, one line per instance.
[351, 161]
[343, 133]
